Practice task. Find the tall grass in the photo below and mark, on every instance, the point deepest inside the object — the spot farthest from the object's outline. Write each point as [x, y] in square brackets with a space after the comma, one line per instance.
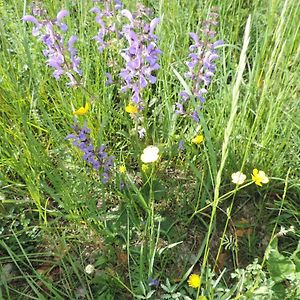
[184, 215]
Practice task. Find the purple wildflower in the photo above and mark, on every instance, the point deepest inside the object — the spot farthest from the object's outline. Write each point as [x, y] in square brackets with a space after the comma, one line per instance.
[201, 66]
[63, 59]
[153, 282]
[37, 9]
[181, 145]
[141, 56]
[98, 158]
[109, 79]
[105, 19]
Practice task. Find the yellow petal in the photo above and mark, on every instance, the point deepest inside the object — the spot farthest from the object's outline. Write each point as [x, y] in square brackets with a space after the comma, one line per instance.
[194, 281]
[122, 169]
[198, 139]
[82, 110]
[132, 109]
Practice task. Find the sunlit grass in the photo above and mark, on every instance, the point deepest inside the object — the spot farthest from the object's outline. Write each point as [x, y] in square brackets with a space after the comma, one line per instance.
[166, 214]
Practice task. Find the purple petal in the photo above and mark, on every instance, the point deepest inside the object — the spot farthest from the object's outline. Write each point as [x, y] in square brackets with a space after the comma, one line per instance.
[126, 13]
[109, 79]
[180, 109]
[218, 43]
[136, 98]
[29, 18]
[95, 10]
[152, 79]
[63, 13]
[143, 81]
[195, 116]
[181, 145]
[184, 96]
[71, 42]
[153, 24]
[63, 27]
[195, 37]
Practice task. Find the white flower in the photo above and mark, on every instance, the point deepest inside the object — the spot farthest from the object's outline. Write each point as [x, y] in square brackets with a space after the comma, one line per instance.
[89, 269]
[150, 154]
[238, 177]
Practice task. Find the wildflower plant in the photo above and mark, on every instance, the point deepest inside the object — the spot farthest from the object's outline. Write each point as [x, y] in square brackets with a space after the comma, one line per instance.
[140, 55]
[134, 201]
[238, 178]
[96, 157]
[150, 154]
[194, 281]
[106, 18]
[61, 56]
[201, 67]
[259, 177]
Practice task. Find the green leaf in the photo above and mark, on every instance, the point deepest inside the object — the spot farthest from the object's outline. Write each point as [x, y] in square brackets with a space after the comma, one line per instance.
[279, 266]
[295, 257]
[279, 291]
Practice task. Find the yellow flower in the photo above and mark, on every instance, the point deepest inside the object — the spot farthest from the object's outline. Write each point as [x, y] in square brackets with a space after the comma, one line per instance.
[122, 169]
[194, 281]
[150, 154]
[202, 298]
[82, 110]
[144, 168]
[131, 108]
[198, 139]
[259, 177]
[238, 178]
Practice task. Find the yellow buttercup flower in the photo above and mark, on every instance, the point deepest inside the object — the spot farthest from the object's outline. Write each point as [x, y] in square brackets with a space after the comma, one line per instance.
[198, 139]
[194, 281]
[131, 108]
[202, 298]
[122, 169]
[259, 177]
[82, 110]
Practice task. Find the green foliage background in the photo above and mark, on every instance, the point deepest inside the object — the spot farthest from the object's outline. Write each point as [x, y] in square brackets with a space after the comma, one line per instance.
[55, 216]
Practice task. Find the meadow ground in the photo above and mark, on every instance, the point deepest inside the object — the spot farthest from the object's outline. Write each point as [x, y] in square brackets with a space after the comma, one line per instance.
[210, 210]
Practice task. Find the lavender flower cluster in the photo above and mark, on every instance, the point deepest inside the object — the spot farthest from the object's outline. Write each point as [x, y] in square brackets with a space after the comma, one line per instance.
[62, 58]
[141, 56]
[201, 66]
[98, 158]
[106, 20]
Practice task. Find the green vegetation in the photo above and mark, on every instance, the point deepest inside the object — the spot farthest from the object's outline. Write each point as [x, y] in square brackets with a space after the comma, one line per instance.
[162, 215]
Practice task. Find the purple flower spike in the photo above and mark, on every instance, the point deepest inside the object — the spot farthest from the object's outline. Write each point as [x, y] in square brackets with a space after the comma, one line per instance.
[74, 59]
[106, 20]
[62, 59]
[201, 66]
[97, 158]
[141, 55]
